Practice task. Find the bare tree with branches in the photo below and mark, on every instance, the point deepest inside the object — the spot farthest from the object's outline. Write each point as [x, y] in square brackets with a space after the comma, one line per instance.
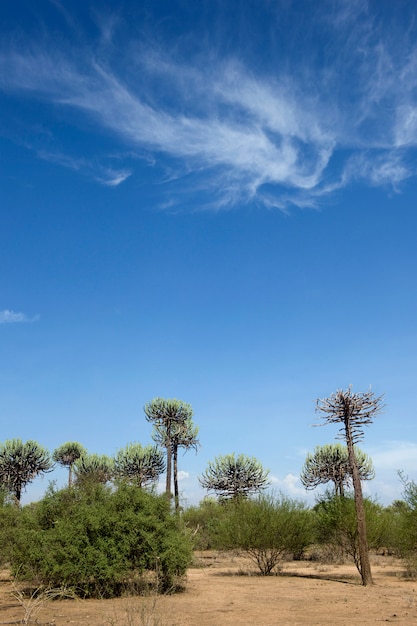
[353, 411]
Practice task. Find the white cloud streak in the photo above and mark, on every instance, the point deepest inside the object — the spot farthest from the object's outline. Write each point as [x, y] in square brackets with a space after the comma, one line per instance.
[108, 176]
[268, 138]
[11, 317]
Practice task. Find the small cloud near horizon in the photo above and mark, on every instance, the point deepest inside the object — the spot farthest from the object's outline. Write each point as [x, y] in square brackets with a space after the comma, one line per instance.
[290, 485]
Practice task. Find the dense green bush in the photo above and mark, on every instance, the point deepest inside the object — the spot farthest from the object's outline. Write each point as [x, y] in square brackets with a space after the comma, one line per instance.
[336, 526]
[99, 541]
[204, 523]
[9, 516]
[406, 514]
[266, 529]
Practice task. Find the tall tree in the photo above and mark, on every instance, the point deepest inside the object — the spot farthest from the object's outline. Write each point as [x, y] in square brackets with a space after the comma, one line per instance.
[233, 477]
[353, 411]
[140, 465]
[67, 454]
[173, 428]
[21, 463]
[330, 463]
[183, 435]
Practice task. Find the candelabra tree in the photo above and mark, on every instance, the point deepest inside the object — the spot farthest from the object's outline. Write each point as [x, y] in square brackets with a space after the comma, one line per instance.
[330, 463]
[67, 454]
[234, 477]
[20, 463]
[173, 429]
[139, 465]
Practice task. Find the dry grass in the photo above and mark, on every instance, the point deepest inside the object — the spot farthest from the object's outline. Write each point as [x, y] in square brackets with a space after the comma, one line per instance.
[32, 602]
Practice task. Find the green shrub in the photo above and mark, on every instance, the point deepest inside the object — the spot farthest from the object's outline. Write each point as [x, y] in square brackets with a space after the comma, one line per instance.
[204, 523]
[100, 542]
[336, 526]
[406, 513]
[9, 515]
[266, 529]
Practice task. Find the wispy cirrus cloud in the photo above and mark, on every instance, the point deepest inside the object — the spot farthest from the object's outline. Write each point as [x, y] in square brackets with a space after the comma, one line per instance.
[275, 138]
[263, 137]
[109, 176]
[113, 178]
[11, 317]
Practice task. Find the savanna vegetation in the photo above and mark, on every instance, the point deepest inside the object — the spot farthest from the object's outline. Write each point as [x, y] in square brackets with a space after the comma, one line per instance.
[97, 540]
[109, 533]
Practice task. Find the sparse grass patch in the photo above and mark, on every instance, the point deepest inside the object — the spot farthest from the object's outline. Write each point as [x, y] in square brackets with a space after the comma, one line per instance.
[141, 613]
[33, 601]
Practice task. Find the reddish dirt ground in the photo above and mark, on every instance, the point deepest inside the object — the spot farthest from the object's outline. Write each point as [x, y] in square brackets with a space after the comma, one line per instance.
[225, 589]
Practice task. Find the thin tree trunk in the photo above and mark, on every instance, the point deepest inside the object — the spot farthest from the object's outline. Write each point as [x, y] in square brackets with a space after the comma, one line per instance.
[176, 492]
[365, 566]
[169, 469]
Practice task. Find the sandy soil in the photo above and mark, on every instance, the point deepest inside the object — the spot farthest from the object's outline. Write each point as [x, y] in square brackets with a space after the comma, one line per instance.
[225, 589]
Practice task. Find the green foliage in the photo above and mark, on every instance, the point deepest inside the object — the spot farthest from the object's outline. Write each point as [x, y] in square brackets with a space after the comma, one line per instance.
[266, 529]
[336, 527]
[161, 411]
[9, 516]
[182, 434]
[410, 492]
[234, 477]
[330, 463]
[173, 429]
[5, 497]
[20, 464]
[95, 468]
[140, 465]
[67, 454]
[204, 523]
[99, 541]
[406, 515]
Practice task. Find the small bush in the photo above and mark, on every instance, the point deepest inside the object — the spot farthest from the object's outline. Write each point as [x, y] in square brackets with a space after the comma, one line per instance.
[9, 515]
[336, 526]
[406, 537]
[267, 530]
[204, 523]
[100, 542]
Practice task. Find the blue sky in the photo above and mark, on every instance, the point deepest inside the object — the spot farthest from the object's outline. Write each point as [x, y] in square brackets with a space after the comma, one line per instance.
[214, 201]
